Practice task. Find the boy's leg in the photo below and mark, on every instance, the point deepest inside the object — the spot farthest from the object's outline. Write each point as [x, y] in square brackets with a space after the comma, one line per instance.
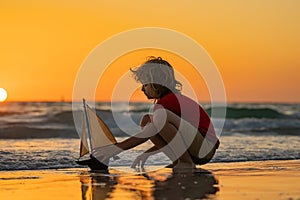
[169, 139]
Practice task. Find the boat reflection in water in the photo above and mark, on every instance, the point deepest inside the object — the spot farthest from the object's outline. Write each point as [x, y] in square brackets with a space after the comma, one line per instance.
[161, 184]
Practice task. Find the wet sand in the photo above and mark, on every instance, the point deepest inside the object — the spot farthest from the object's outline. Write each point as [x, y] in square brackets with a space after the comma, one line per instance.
[239, 180]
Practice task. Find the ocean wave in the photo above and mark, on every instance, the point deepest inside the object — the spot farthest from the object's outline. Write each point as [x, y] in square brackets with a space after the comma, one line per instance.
[54, 120]
[8, 113]
[238, 113]
[25, 132]
[59, 124]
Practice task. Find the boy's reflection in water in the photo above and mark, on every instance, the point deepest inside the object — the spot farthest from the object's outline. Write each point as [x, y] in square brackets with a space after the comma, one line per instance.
[162, 184]
[186, 185]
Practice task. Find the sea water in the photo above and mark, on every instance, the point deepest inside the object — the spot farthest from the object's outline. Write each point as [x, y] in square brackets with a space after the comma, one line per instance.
[42, 135]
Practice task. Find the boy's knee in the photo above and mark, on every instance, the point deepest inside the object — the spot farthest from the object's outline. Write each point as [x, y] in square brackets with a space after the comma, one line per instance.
[159, 119]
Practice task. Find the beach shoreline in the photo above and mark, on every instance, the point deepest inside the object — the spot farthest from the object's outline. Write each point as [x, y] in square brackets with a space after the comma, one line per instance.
[273, 179]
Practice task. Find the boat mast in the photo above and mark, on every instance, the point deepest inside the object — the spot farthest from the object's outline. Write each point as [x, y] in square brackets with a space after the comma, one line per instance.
[89, 138]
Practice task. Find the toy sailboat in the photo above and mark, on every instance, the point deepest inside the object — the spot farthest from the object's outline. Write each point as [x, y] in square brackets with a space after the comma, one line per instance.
[95, 134]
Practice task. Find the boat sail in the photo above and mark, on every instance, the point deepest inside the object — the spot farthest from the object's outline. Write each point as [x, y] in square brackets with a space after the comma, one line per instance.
[95, 134]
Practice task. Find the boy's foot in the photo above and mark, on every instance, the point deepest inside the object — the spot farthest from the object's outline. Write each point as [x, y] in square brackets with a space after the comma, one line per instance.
[172, 164]
[184, 167]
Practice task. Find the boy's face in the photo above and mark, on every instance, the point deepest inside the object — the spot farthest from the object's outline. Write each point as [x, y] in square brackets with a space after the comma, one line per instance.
[149, 91]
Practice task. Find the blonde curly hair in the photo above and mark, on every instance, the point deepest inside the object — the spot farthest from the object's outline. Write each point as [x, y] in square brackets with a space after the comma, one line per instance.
[159, 73]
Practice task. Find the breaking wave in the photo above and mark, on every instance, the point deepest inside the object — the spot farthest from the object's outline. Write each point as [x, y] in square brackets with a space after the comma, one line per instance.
[55, 120]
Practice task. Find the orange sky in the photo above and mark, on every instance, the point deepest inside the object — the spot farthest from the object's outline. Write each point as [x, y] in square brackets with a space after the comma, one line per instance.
[255, 44]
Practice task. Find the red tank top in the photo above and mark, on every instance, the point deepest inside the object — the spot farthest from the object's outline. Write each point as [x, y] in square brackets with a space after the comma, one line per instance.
[190, 111]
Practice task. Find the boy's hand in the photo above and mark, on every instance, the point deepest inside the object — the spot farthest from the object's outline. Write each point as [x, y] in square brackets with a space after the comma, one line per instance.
[140, 161]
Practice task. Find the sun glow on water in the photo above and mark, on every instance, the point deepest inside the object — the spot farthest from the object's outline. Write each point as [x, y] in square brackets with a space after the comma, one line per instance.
[3, 95]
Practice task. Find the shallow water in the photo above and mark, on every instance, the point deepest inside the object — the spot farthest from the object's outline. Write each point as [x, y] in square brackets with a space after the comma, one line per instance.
[61, 153]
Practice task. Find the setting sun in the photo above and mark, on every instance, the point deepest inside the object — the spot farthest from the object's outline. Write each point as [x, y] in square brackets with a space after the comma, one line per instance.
[3, 94]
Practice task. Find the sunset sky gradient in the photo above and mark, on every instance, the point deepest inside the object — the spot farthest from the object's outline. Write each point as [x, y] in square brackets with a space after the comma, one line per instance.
[255, 44]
